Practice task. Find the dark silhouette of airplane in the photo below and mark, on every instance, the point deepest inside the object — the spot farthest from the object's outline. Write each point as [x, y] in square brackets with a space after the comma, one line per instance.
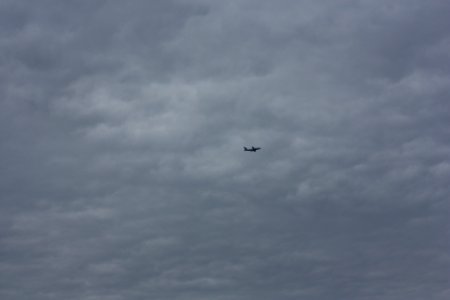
[252, 149]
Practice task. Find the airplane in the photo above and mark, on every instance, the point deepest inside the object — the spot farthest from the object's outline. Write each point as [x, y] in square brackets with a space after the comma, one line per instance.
[252, 149]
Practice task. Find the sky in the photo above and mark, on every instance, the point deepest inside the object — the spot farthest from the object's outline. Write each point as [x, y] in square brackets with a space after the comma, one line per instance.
[122, 170]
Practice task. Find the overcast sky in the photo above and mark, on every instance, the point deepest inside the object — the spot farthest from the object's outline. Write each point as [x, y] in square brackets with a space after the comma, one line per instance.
[122, 170]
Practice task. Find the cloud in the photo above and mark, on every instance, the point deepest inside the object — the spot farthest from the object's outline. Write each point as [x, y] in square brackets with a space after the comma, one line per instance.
[123, 175]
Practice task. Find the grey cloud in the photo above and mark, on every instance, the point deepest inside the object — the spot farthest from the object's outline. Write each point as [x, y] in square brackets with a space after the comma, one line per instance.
[123, 175]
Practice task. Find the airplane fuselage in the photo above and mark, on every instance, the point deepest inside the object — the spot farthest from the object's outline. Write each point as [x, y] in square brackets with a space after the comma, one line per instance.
[252, 149]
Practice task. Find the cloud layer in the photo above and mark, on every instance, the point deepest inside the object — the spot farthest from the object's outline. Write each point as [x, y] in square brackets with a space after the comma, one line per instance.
[122, 172]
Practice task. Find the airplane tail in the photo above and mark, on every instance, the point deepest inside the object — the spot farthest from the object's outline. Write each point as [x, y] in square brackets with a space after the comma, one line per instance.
[246, 149]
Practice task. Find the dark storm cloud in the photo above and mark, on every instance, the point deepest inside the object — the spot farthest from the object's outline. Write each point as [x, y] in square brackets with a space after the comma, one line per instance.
[123, 175]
